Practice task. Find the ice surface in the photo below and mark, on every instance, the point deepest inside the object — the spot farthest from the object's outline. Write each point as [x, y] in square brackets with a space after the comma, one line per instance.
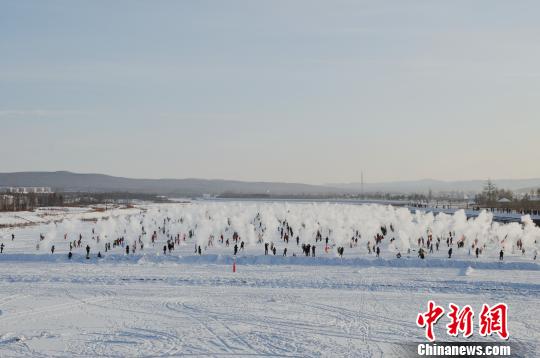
[150, 304]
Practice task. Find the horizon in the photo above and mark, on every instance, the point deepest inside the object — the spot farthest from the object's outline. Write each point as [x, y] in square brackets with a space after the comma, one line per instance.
[266, 181]
[307, 92]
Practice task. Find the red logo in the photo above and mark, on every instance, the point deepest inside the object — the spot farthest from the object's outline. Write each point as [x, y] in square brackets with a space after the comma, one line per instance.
[429, 319]
[460, 321]
[491, 320]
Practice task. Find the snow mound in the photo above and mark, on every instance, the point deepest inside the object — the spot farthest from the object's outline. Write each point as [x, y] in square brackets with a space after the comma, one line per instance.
[466, 271]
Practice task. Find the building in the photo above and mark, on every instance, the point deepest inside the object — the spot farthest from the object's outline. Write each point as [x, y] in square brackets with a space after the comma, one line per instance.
[26, 190]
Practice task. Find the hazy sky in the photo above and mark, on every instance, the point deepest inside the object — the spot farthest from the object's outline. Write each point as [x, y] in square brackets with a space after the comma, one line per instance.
[307, 91]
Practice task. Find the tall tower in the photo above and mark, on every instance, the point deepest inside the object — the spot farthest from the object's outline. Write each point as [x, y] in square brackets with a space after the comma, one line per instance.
[362, 184]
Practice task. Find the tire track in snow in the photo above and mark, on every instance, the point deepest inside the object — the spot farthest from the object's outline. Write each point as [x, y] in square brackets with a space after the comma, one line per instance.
[200, 321]
[52, 308]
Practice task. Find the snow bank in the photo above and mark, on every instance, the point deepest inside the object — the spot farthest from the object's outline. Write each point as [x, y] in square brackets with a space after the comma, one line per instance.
[466, 267]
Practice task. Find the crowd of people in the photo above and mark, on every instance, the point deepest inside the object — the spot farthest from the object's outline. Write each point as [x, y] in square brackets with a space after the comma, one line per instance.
[285, 240]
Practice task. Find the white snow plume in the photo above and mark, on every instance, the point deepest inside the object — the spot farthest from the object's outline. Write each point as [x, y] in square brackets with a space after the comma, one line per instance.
[51, 231]
[339, 222]
[531, 233]
[69, 227]
[107, 229]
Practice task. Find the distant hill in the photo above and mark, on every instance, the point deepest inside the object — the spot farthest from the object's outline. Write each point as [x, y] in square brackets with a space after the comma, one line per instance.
[419, 186]
[68, 181]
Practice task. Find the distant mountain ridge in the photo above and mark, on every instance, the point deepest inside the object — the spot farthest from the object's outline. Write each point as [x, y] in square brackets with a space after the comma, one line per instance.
[69, 181]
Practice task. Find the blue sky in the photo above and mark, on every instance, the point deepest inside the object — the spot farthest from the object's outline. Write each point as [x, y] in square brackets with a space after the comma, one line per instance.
[307, 91]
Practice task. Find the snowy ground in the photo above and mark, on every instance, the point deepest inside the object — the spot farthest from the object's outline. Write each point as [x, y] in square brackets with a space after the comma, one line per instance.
[148, 304]
[165, 309]
[45, 215]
